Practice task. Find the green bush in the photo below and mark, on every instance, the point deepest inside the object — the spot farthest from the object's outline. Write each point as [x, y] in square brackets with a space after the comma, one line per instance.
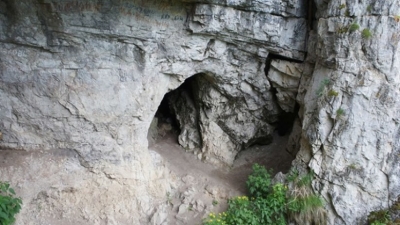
[9, 204]
[272, 204]
[259, 182]
[243, 210]
[366, 33]
[379, 217]
[353, 27]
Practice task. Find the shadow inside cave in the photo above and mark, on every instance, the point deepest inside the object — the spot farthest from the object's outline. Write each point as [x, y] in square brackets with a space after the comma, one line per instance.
[166, 127]
[206, 182]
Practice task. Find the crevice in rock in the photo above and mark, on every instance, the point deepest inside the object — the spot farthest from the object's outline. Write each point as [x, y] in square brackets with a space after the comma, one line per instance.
[286, 121]
[284, 76]
[287, 116]
[164, 113]
[272, 56]
[311, 18]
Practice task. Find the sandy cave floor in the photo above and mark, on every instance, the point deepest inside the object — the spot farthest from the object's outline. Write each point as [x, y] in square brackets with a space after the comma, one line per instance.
[199, 188]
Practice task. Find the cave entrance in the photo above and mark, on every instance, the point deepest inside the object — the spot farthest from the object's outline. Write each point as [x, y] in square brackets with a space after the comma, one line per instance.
[165, 121]
[175, 137]
[176, 114]
[177, 120]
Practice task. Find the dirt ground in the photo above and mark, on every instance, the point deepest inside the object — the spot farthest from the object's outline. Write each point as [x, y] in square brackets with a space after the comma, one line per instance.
[212, 186]
[198, 188]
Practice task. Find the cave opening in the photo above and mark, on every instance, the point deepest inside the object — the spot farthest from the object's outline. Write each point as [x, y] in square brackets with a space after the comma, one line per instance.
[165, 115]
[200, 104]
[177, 120]
[166, 122]
[286, 120]
[288, 111]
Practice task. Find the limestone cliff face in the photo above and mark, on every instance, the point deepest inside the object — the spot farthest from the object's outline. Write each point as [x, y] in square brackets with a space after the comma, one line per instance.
[88, 77]
[102, 68]
[351, 107]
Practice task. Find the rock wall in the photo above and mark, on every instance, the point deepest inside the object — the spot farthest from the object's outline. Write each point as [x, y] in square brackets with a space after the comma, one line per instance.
[79, 61]
[87, 77]
[350, 111]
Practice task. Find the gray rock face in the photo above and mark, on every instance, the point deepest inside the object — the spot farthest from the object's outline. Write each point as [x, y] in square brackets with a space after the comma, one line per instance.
[248, 28]
[236, 112]
[225, 113]
[285, 8]
[285, 78]
[93, 70]
[351, 109]
[183, 105]
[88, 76]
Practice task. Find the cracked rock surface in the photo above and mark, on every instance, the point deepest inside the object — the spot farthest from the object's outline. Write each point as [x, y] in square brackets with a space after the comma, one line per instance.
[85, 78]
[350, 127]
[88, 76]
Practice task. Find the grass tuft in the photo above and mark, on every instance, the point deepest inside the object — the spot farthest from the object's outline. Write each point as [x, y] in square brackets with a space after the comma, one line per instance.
[366, 33]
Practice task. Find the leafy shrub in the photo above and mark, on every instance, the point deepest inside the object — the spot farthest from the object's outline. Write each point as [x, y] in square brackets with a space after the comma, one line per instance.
[271, 204]
[378, 223]
[240, 212]
[9, 204]
[259, 182]
[216, 219]
[274, 208]
[255, 211]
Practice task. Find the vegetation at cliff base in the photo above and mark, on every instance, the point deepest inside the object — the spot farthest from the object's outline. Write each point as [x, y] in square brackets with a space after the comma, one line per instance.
[390, 216]
[9, 204]
[270, 203]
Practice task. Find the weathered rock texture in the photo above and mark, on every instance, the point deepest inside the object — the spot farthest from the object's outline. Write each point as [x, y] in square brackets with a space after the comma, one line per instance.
[225, 113]
[351, 107]
[88, 76]
[285, 77]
